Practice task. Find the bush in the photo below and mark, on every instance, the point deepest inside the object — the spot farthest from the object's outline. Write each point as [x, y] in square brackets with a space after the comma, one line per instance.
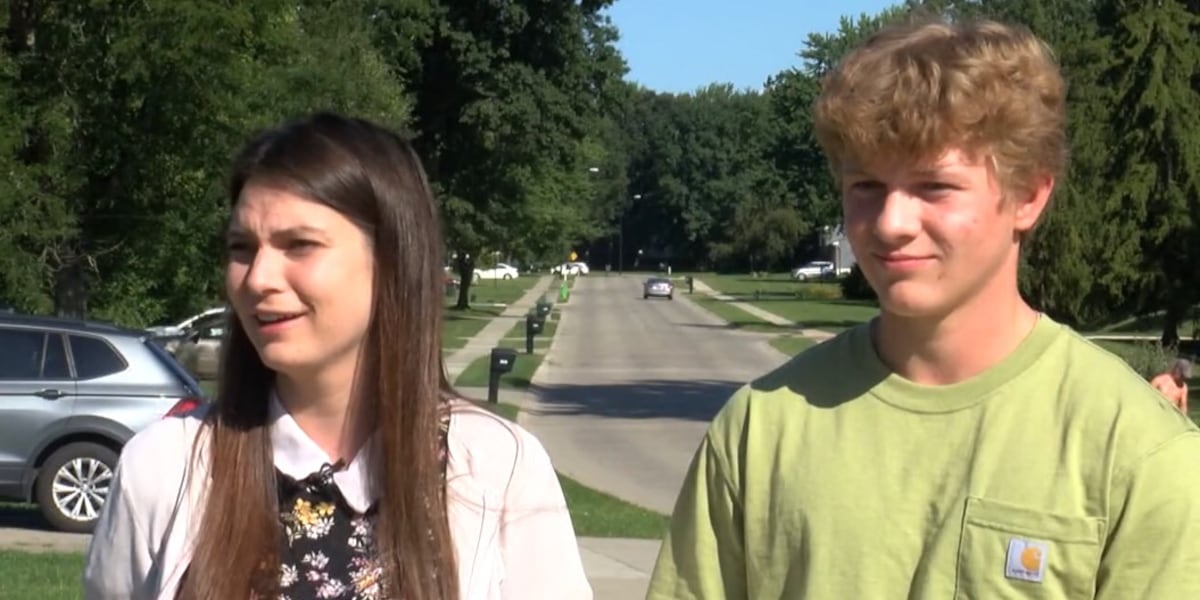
[818, 291]
[1147, 358]
[855, 286]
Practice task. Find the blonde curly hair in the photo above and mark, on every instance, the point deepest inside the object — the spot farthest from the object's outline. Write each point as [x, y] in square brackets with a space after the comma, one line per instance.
[917, 89]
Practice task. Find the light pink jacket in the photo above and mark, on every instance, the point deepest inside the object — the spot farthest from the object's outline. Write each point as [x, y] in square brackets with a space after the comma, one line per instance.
[512, 533]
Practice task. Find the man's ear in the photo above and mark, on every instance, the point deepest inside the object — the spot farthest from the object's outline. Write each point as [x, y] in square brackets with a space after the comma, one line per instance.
[1029, 209]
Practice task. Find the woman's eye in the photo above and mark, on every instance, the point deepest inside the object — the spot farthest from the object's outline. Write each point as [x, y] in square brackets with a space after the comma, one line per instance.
[302, 245]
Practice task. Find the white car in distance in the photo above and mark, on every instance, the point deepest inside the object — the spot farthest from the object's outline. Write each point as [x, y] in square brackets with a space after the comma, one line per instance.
[571, 268]
[817, 269]
[500, 271]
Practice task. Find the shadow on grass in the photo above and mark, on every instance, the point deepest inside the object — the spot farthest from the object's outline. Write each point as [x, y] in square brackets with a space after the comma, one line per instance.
[830, 325]
[651, 399]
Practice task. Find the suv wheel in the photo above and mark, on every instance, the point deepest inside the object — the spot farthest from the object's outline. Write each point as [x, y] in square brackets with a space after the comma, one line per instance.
[73, 485]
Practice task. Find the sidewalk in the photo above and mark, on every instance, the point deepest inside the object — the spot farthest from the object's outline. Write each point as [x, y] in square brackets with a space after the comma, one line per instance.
[770, 317]
[490, 336]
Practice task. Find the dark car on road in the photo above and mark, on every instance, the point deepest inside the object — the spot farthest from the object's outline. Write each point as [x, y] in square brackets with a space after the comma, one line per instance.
[72, 393]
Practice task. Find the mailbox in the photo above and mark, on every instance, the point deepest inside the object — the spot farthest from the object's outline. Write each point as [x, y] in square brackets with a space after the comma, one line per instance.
[533, 326]
[543, 308]
[503, 360]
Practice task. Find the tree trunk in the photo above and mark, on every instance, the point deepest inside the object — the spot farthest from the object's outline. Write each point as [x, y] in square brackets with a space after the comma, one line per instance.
[466, 278]
[1171, 320]
[71, 289]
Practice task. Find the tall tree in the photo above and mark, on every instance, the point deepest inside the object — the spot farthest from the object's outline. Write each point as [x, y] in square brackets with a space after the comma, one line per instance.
[505, 94]
[129, 114]
[1157, 127]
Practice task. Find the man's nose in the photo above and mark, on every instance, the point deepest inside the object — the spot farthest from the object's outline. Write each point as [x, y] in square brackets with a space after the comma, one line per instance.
[899, 218]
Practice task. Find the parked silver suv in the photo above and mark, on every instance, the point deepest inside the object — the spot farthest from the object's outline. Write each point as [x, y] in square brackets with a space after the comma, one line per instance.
[72, 393]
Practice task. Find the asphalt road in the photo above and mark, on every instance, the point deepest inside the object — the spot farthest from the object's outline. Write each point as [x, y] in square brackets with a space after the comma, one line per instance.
[630, 385]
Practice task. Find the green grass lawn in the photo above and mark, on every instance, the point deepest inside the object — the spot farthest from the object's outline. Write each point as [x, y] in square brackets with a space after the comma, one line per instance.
[487, 302]
[596, 514]
[516, 336]
[40, 575]
[815, 305]
[459, 326]
[476, 373]
[792, 345]
[736, 317]
[833, 316]
[499, 291]
[508, 411]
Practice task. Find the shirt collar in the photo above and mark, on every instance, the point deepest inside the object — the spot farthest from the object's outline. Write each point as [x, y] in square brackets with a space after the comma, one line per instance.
[298, 456]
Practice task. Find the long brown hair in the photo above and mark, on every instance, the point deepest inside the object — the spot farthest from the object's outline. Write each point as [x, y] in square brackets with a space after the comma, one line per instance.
[373, 177]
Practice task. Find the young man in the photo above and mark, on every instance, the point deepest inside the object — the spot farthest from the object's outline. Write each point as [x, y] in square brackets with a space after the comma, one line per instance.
[961, 445]
[1173, 383]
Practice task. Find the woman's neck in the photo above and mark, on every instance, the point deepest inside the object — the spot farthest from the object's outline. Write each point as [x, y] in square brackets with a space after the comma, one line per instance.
[328, 410]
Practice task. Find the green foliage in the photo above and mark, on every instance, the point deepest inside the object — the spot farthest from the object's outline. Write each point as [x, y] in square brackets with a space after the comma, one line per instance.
[121, 121]
[510, 99]
[855, 286]
[118, 121]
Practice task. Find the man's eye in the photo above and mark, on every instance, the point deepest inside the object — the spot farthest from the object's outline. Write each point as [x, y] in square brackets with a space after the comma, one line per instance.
[938, 186]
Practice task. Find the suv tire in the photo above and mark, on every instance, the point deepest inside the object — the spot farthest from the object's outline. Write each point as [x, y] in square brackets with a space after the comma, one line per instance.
[87, 466]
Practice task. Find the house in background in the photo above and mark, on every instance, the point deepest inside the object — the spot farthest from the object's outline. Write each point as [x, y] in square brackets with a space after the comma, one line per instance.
[835, 248]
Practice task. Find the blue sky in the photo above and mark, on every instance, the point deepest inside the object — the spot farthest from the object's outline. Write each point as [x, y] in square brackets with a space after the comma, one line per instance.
[681, 45]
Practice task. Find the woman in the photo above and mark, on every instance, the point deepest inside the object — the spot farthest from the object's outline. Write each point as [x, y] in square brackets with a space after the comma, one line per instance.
[335, 462]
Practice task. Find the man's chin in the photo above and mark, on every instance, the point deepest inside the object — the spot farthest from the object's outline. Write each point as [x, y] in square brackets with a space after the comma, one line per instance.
[909, 301]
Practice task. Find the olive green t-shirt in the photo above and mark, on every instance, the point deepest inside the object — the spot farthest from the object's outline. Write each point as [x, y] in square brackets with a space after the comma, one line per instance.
[1058, 473]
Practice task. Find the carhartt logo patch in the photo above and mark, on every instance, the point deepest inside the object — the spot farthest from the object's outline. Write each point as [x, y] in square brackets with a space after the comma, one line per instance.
[1026, 560]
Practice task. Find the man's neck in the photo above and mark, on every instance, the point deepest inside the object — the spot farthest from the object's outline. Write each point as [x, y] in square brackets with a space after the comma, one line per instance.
[954, 348]
[325, 408]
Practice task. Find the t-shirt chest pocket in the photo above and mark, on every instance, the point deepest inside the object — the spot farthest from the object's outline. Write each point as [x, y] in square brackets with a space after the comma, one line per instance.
[1008, 551]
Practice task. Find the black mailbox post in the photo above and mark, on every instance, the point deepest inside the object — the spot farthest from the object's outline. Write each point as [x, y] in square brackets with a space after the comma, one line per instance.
[503, 360]
[691, 284]
[533, 326]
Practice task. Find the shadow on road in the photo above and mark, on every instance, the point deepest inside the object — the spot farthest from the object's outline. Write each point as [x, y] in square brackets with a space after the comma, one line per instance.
[689, 400]
[22, 516]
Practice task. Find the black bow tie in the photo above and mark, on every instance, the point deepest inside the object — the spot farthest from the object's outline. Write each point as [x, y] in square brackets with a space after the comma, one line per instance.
[321, 480]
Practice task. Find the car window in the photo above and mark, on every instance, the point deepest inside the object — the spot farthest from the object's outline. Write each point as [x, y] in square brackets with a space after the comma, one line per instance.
[213, 333]
[210, 322]
[54, 364]
[94, 357]
[21, 353]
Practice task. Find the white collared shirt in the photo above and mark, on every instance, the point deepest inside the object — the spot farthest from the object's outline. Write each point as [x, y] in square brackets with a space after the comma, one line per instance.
[509, 523]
